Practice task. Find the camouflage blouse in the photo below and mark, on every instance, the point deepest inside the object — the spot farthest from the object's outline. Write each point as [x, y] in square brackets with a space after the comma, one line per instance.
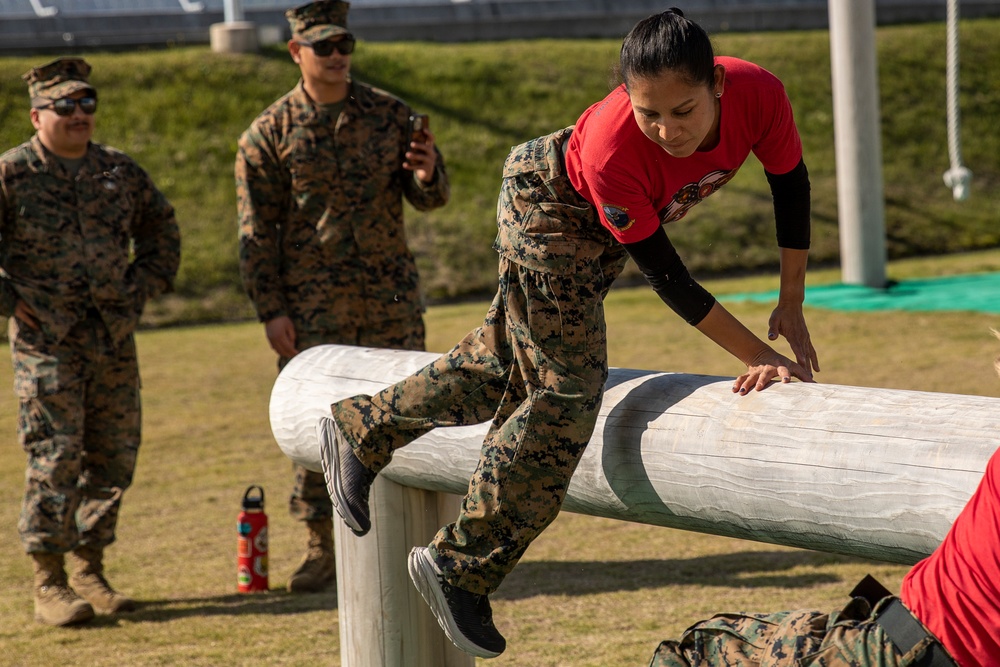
[105, 238]
[320, 204]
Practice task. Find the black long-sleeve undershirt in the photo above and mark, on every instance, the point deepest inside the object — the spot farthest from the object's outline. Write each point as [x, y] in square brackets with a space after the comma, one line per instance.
[662, 266]
[792, 200]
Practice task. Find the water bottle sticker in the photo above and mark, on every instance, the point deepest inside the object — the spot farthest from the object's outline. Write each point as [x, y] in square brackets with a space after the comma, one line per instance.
[243, 528]
[243, 576]
[243, 547]
[260, 566]
[260, 542]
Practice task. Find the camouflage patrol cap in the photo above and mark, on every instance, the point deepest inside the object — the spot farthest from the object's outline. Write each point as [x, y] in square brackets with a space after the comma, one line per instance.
[318, 20]
[59, 78]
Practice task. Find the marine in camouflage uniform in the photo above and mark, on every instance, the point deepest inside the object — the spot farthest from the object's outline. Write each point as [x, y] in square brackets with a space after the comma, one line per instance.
[320, 181]
[536, 367]
[86, 239]
[538, 364]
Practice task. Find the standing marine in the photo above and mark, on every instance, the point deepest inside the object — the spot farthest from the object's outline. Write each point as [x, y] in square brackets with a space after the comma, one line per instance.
[321, 176]
[86, 239]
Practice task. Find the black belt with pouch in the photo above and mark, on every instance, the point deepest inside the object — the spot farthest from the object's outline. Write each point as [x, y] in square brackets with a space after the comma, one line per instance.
[902, 628]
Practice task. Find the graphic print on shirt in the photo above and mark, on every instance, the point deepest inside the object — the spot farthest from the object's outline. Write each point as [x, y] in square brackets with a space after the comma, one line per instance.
[694, 193]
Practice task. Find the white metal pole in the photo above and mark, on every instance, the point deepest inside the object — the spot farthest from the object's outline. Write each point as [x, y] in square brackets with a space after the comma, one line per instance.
[233, 11]
[857, 136]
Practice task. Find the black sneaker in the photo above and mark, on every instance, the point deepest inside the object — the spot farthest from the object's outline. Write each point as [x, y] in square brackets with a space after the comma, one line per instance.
[348, 481]
[465, 617]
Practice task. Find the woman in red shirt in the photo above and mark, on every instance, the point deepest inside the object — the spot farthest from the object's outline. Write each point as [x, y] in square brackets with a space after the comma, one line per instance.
[573, 206]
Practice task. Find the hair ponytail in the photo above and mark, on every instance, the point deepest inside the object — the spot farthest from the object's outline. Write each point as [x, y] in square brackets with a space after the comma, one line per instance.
[667, 41]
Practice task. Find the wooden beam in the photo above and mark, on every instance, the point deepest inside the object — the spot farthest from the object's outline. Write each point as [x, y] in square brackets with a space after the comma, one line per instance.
[874, 473]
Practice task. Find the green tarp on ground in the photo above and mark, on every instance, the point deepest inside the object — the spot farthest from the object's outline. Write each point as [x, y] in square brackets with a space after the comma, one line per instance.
[975, 292]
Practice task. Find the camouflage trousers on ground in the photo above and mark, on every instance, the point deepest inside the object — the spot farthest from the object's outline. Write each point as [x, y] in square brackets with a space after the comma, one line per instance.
[536, 368]
[849, 638]
[79, 423]
[310, 501]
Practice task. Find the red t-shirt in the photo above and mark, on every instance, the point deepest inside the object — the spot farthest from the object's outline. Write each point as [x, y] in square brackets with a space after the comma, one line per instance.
[637, 185]
[955, 591]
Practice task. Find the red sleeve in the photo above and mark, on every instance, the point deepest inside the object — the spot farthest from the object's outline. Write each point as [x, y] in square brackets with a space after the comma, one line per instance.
[612, 165]
[624, 204]
[779, 148]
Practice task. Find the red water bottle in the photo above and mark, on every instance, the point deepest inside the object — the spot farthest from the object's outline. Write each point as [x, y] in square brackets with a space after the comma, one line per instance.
[251, 545]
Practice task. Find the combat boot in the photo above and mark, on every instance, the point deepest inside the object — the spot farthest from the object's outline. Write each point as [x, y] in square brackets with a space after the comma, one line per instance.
[318, 569]
[55, 602]
[88, 580]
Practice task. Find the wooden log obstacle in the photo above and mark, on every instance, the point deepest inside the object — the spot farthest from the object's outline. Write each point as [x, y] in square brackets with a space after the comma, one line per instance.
[872, 473]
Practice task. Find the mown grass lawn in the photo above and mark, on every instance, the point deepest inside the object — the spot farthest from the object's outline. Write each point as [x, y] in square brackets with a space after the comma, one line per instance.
[589, 593]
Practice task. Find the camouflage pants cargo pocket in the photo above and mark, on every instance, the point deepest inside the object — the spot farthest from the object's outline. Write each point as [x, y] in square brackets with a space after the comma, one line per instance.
[36, 373]
[561, 299]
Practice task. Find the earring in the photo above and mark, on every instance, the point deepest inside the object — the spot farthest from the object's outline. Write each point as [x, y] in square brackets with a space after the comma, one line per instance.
[718, 94]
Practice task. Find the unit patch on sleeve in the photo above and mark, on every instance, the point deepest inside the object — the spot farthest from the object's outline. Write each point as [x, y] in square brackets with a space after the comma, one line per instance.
[617, 216]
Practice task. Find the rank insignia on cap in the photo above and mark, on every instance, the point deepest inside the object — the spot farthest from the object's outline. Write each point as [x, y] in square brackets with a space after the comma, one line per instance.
[617, 216]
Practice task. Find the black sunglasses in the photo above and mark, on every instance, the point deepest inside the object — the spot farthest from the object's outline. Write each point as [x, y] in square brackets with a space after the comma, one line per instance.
[344, 46]
[65, 106]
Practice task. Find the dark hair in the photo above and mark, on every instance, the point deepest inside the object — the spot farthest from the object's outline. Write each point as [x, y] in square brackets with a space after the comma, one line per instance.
[667, 41]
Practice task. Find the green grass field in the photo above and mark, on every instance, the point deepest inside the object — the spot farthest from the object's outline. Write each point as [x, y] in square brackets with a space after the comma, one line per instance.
[589, 593]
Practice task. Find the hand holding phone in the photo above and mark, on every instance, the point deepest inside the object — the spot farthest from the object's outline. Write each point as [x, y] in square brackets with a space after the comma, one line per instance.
[420, 154]
[419, 123]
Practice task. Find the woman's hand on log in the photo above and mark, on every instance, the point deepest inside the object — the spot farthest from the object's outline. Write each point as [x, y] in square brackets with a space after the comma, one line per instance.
[768, 366]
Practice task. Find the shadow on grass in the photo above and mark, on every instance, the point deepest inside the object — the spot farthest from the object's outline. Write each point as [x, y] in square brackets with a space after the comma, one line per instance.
[747, 569]
[236, 604]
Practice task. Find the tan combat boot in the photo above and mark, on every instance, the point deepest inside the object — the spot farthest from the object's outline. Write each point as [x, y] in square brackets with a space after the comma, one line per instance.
[55, 602]
[318, 569]
[88, 580]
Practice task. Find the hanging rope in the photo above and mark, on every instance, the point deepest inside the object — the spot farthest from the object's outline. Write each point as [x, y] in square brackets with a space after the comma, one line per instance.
[957, 178]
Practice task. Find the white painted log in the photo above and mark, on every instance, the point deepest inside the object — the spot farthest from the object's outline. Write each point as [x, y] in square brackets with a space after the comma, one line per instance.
[875, 473]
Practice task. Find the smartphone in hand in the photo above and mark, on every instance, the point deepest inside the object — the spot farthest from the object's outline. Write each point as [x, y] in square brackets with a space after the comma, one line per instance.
[419, 123]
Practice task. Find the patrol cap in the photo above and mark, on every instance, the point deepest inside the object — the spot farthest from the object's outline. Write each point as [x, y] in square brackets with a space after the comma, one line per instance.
[319, 20]
[59, 78]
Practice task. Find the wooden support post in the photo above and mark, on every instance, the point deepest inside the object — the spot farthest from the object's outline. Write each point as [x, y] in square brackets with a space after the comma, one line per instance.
[874, 473]
[383, 620]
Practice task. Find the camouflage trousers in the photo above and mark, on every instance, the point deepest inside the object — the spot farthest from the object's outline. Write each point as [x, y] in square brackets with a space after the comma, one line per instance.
[79, 423]
[536, 367]
[310, 500]
[849, 638]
